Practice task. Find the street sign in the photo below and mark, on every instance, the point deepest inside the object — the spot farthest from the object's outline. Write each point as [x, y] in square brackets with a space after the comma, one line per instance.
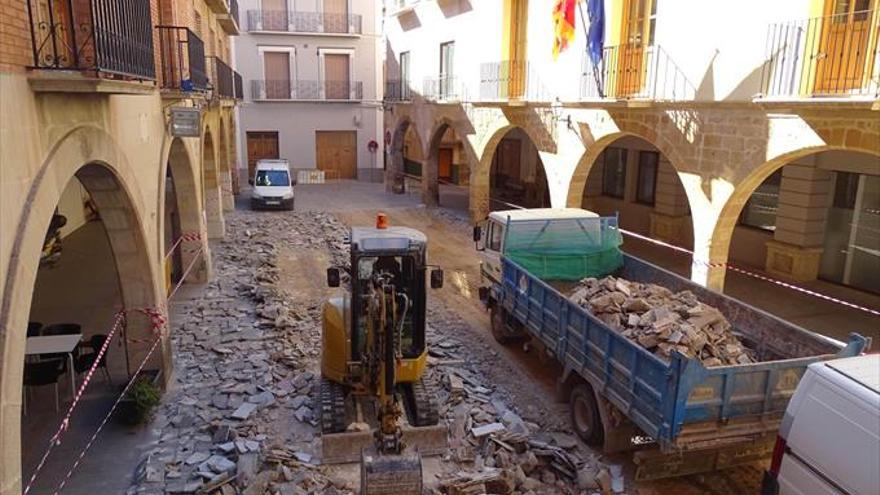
[186, 122]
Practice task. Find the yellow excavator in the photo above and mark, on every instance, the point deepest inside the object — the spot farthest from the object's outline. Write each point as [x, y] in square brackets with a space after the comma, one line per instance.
[375, 405]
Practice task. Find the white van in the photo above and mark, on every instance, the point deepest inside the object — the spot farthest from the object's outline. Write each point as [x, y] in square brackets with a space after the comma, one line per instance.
[829, 439]
[272, 185]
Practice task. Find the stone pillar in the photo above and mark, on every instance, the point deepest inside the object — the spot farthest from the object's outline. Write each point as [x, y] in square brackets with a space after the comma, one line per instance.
[430, 180]
[227, 192]
[669, 220]
[795, 252]
[479, 195]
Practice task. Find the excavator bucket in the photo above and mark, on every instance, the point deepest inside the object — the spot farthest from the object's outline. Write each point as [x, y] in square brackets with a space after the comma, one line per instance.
[391, 474]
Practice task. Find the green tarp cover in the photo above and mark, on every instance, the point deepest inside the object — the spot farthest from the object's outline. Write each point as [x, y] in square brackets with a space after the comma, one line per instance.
[568, 249]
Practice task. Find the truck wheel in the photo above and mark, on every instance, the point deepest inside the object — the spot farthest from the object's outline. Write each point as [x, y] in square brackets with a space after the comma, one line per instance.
[585, 415]
[499, 325]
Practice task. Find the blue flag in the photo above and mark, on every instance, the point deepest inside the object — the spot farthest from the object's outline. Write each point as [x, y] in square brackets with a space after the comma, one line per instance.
[596, 34]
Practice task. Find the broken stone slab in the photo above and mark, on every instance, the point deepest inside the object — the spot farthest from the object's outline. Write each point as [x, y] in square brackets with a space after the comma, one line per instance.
[220, 464]
[244, 411]
[262, 399]
[196, 458]
[482, 431]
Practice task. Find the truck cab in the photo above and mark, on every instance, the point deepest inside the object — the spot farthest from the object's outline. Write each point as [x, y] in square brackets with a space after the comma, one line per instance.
[272, 185]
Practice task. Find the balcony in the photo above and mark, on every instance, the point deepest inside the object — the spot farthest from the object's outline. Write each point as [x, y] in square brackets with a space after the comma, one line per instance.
[182, 60]
[397, 91]
[400, 7]
[635, 72]
[220, 76]
[218, 6]
[444, 89]
[282, 21]
[830, 56]
[511, 80]
[238, 85]
[229, 20]
[286, 90]
[109, 42]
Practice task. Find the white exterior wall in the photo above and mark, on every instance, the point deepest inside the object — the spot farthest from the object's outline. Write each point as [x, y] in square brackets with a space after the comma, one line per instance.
[296, 121]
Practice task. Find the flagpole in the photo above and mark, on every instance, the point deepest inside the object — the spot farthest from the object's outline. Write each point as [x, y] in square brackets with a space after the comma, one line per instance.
[587, 37]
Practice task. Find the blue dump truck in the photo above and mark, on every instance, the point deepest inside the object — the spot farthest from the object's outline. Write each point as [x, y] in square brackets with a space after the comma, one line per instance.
[679, 416]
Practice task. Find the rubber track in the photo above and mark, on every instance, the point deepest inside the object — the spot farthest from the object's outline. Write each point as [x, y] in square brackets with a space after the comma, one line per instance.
[424, 399]
[332, 407]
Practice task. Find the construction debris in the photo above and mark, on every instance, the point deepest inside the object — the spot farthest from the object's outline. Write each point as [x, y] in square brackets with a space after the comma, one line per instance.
[662, 321]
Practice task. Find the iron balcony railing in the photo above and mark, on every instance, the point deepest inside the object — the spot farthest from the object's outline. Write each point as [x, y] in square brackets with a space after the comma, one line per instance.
[397, 91]
[635, 71]
[238, 85]
[823, 56]
[221, 78]
[443, 88]
[104, 36]
[283, 89]
[304, 22]
[511, 80]
[181, 59]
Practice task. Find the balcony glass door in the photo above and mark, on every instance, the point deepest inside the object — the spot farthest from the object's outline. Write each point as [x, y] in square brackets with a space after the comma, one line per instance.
[274, 15]
[277, 67]
[637, 34]
[516, 64]
[337, 78]
[844, 58]
[335, 16]
[404, 76]
[447, 57]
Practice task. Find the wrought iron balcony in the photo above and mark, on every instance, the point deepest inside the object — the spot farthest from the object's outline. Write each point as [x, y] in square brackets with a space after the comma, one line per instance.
[283, 89]
[107, 37]
[444, 89]
[304, 22]
[397, 91]
[229, 20]
[220, 76]
[238, 84]
[835, 55]
[635, 71]
[181, 59]
[511, 80]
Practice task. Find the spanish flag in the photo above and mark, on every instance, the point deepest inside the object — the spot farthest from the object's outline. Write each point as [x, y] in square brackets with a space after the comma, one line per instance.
[563, 25]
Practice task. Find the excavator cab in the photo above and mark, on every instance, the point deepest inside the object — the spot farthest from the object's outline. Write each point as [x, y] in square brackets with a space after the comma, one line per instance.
[375, 404]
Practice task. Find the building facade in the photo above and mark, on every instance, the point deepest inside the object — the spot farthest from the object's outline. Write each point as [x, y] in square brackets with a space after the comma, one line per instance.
[312, 73]
[759, 150]
[107, 204]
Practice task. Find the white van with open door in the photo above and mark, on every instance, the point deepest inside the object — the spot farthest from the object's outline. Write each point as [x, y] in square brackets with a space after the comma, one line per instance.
[272, 185]
[829, 439]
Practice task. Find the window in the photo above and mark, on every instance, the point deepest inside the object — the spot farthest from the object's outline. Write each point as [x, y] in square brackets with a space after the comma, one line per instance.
[496, 235]
[647, 183]
[845, 188]
[337, 75]
[404, 75]
[614, 172]
[447, 58]
[276, 67]
[640, 21]
[760, 209]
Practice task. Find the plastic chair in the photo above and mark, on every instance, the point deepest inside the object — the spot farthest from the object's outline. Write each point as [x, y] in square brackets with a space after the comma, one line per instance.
[34, 328]
[43, 373]
[84, 362]
[61, 329]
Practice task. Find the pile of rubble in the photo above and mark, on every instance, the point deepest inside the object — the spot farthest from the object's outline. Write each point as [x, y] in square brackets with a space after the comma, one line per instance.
[662, 321]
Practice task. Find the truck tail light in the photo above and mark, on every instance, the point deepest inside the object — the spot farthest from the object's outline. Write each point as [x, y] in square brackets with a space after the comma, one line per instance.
[778, 452]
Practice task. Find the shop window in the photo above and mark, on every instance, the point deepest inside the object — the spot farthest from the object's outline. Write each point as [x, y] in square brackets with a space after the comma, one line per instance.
[647, 183]
[760, 210]
[614, 172]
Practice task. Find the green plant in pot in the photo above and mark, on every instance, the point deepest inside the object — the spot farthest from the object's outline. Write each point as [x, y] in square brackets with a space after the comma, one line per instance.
[140, 400]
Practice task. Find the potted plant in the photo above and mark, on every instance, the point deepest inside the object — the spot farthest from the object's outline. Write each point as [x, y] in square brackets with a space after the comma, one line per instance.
[141, 398]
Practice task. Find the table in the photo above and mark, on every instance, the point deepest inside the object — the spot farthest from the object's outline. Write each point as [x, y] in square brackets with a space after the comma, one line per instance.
[56, 344]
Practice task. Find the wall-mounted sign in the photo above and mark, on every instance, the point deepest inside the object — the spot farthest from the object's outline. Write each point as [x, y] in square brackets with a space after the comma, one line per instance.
[186, 122]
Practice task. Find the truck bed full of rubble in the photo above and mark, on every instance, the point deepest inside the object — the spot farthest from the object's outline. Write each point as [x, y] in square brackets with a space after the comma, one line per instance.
[662, 321]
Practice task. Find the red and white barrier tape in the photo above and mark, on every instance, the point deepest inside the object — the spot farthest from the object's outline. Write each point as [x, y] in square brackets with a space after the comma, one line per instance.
[749, 273]
[157, 320]
[185, 237]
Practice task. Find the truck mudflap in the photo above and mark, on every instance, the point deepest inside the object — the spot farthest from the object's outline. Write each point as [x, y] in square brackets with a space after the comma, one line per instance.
[653, 464]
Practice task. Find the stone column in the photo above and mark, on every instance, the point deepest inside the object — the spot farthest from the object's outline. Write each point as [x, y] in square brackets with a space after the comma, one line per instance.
[227, 192]
[795, 252]
[430, 180]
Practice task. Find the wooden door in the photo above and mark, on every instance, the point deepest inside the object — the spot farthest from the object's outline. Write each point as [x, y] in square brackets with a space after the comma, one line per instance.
[336, 16]
[274, 15]
[636, 35]
[336, 153]
[261, 145]
[843, 59]
[518, 30]
[277, 67]
[444, 163]
[336, 77]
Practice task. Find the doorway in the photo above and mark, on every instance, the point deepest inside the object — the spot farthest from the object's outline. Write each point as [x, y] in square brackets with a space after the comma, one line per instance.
[844, 43]
[336, 153]
[261, 145]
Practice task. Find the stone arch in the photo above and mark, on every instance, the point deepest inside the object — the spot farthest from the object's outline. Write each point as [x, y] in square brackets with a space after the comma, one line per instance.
[480, 186]
[89, 154]
[179, 192]
[394, 173]
[430, 171]
[212, 197]
[722, 233]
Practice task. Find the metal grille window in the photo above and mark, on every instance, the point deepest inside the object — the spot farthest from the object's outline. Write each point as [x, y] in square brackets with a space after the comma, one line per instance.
[614, 172]
[760, 209]
[447, 59]
[647, 183]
